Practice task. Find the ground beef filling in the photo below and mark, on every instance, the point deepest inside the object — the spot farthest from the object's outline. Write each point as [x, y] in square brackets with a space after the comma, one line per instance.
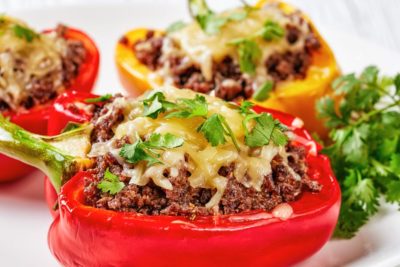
[278, 187]
[41, 90]
[228, 81]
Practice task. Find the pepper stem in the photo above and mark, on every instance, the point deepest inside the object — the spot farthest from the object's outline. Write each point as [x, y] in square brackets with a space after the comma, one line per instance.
[38, 151]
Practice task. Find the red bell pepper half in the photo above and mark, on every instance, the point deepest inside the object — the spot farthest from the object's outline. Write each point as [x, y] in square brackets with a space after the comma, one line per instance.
[35, 119]
[85, 236]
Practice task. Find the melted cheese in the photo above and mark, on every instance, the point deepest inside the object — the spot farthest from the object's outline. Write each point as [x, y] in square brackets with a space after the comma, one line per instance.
[204, 161]
[203, 49]
[21, 60]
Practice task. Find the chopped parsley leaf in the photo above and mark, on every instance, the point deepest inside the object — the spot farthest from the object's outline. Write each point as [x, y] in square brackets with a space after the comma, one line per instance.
[271, 31]
[24, 33]
[110, 183]
[266, 129]
[249, 53]
[99, 99]
[148, 150]
[215, 128]
[263, 92]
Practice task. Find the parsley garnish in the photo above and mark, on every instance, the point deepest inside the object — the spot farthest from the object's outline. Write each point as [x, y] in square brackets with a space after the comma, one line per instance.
[110, 183]
[365, 144]
[155, 104]
[249, 51]
[24, 33]
[176, 26]
[215, 128]
[148, 150]
[208, 21]
[189, 108]
[271, 31]
[263, 92]
[249, 54]
[266, 128]
[102, 98]
[245, 107]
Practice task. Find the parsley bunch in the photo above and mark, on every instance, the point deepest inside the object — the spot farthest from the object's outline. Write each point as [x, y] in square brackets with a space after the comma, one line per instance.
[365, 145]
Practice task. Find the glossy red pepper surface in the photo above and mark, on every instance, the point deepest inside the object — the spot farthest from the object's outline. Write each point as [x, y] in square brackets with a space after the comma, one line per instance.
[35, 120]
[85, 236]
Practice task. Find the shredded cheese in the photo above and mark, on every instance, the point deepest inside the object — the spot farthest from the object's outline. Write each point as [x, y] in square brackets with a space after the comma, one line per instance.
[202, 49]
[21, 60]
[203, 160]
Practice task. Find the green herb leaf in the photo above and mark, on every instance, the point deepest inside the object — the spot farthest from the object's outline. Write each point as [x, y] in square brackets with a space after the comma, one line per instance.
[370, 75]
[271, 31]
[326, 109]
[110, 183]
[208, 21]
[263, 92]
[364, 150]
[99, 99]
[168, 140]
[245, 107]
[213, 130]
[155, 104]
[189, 108]
[147, 151]
[265, 130]
[133, 153]
[25, 33]
[397, 84]
[345, 84]
[249, 53]
[394, 164]
[176, 26]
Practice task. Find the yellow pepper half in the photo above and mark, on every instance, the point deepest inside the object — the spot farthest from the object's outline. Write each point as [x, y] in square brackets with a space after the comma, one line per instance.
[296, 97]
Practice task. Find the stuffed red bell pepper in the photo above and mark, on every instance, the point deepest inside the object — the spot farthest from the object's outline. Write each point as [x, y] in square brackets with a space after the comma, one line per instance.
[176, 178]
[35, 69]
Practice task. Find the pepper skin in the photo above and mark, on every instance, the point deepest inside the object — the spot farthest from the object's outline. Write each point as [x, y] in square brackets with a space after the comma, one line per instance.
[85, 236]
[294, 97]
[60, 116]
[35, 120]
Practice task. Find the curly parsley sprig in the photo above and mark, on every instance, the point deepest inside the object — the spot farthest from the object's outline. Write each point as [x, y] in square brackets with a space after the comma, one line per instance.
[365, 144]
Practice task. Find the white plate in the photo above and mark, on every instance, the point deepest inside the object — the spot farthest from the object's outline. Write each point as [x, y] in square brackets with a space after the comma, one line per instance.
[24, 218]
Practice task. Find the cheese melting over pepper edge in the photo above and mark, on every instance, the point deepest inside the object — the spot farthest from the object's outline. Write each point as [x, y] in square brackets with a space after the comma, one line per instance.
[251, 165]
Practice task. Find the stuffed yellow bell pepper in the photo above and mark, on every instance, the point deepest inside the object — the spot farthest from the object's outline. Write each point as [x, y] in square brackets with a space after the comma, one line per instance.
[270, 54]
